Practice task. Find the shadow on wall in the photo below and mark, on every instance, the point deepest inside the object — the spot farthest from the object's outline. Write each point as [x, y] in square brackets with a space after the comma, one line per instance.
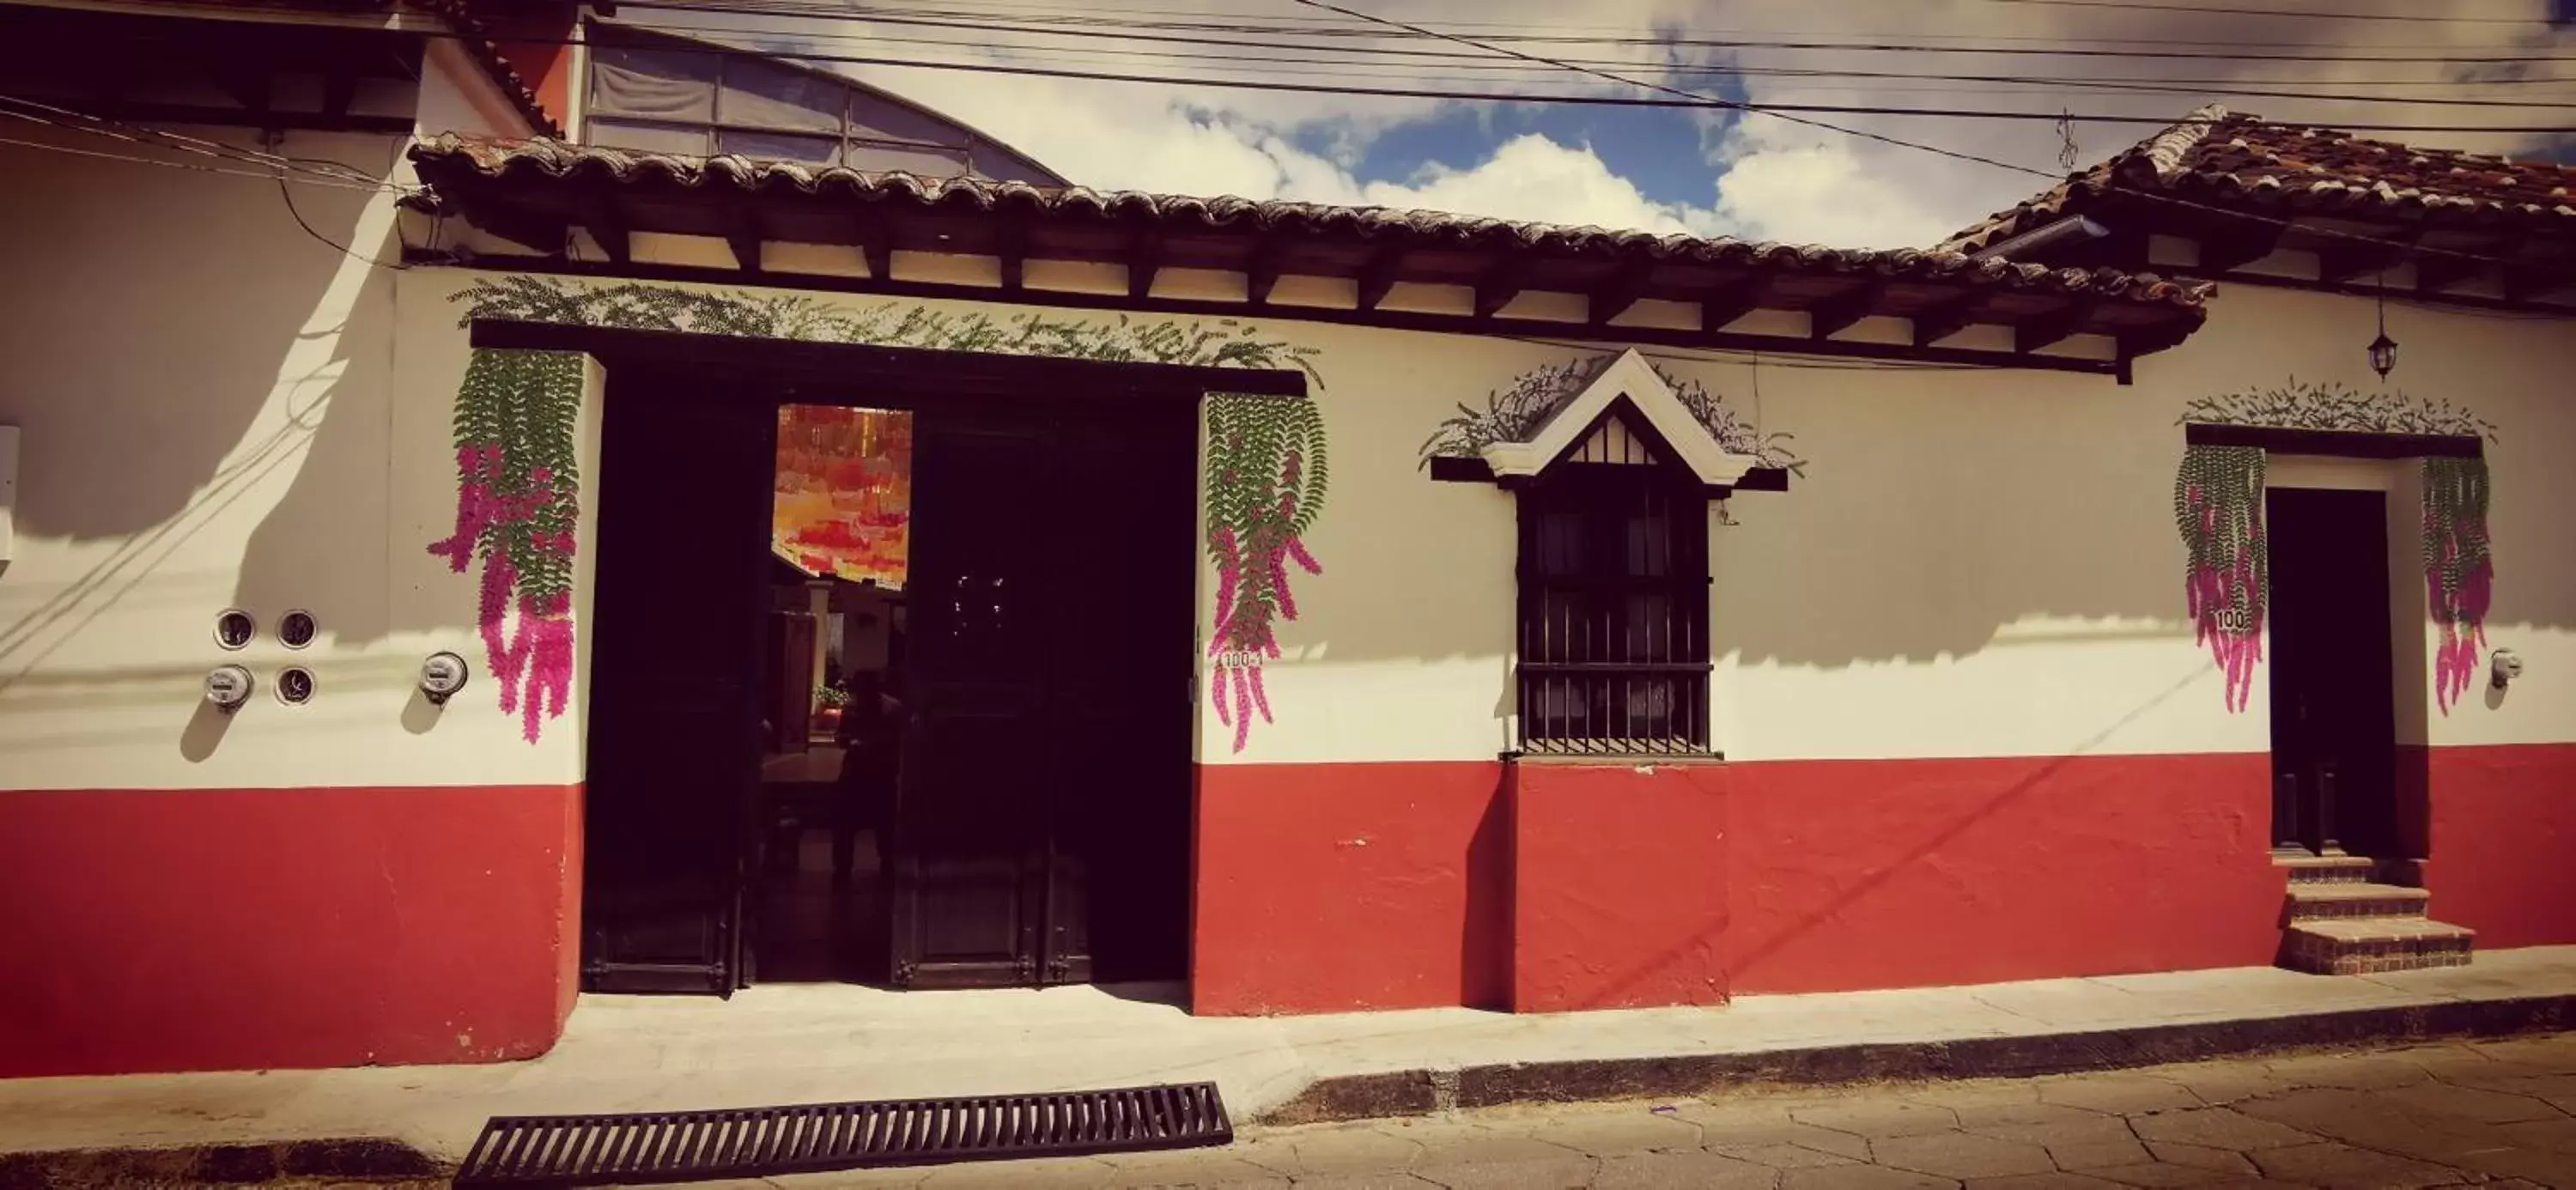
[1934, 519]
[143, 377]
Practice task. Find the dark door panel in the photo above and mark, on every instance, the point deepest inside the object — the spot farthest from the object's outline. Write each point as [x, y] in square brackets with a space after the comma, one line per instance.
[674, 701]
[2334, 727]
[1045, 805]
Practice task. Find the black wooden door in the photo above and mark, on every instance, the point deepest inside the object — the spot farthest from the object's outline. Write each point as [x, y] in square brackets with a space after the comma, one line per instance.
[2334, 725]
[674, 747]
[1041, 832]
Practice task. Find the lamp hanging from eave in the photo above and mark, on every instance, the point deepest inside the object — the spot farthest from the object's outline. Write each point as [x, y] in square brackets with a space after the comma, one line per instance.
[2383, 350]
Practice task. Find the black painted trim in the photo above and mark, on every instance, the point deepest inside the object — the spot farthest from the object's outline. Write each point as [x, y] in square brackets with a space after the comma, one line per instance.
[1449, 324]
[1459, 469]
[859, 363]
[2348, 444]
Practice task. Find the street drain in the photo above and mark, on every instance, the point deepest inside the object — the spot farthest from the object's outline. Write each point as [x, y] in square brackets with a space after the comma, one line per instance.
[606, 1150]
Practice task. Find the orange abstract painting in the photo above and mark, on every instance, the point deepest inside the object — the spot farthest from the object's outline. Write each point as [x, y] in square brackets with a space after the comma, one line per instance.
[843, 506]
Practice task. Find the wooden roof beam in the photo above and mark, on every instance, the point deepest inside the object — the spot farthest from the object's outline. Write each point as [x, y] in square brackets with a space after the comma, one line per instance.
[1012, 247]
[1618, 292]
[1261, 270]
[1377, 276]
[876, 243]
[607, 224]
[1833, 315]
[1732, 300]
[2243, 244]
[1936, 323]
[2350, 259]
[1144, 259]
[743, 235]
[2052, 327]
[1499, 285]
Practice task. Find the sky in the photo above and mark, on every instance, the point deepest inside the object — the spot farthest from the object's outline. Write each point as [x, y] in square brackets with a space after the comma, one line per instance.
[1703, 170]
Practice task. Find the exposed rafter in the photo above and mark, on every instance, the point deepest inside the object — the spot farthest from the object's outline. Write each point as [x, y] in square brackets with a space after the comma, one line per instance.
[608, 226]
[1499, 285]
[1377, 276]
[1011, 245]
[1261, 270]
[743, 235]
[876, 244]
[1619, 291]
[1144, 260]
[2054, 327]
[1949, 318]
[1833, 315]
[1732, 300]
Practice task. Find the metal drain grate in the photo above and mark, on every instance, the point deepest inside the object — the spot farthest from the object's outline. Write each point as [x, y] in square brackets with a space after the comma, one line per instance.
[760, 1141]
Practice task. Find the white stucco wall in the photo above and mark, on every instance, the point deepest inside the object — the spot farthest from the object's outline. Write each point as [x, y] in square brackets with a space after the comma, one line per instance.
[219, 411]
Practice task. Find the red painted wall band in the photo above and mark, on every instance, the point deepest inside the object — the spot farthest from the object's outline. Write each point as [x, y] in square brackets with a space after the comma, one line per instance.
[282, 928]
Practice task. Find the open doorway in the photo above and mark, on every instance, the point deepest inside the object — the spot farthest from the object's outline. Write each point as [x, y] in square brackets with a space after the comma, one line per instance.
[890, 691]
[2334, 724]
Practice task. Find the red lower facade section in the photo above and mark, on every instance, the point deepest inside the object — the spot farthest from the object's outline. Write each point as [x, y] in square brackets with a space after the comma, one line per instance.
[285, 928]
[2504, 842]
[1619, 886]
[1339, 887]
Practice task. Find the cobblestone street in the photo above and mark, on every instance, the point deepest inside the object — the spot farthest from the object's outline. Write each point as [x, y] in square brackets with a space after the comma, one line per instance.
[2494, 1113]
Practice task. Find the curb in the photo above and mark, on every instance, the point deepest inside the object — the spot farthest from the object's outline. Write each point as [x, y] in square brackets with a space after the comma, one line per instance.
[369, 1159]
[1426, 1092]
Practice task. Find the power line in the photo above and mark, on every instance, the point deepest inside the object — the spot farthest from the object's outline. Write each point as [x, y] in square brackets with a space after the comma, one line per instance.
[186, 165]
[1173, 31]
[1472, 66]
[2222, 10]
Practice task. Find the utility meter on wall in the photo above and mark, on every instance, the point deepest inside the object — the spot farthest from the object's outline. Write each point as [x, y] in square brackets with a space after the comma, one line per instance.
[441, 676]
[228, 687]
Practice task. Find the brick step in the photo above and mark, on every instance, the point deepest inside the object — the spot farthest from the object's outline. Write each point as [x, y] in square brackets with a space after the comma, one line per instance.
[2364, 945]
[2327, 869]
[2319, 901]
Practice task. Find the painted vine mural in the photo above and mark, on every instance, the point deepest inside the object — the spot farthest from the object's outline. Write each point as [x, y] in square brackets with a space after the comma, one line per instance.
[519, 494]
[1518, 411]
[2218, 508]
[1266, 470]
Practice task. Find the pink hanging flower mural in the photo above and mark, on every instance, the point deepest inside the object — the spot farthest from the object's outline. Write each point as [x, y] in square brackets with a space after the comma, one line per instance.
[2459, 572]
[1266, 472]
[2218, 507]
[517, 500]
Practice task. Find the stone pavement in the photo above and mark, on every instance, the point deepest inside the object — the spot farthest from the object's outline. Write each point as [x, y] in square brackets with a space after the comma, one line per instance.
[786, 1044]
[2499, 1113]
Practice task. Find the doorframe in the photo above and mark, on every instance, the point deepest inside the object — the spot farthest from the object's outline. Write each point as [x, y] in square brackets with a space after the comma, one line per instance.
[789, 371]
[2391, 464]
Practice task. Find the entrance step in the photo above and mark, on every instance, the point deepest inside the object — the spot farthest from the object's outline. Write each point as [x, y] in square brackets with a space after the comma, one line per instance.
[2365, 945]
[2327, 869]
[2320, 900]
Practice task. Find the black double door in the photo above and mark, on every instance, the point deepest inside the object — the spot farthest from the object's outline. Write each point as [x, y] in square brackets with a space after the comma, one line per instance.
[2334, 723]
[674, 732]
[1041, 829]
[1042, 824]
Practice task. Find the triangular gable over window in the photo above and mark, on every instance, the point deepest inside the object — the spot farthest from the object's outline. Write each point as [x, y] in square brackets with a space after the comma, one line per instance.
[1596, 427]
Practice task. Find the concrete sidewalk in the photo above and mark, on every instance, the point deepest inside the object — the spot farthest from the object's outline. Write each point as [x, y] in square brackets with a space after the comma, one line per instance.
[795, 1044]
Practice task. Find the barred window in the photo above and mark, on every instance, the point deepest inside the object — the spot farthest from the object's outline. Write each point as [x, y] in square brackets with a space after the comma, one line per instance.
[1614, 591]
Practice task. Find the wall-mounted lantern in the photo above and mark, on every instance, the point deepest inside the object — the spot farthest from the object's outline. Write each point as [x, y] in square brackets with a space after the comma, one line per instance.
[441, 676]
[228, 687]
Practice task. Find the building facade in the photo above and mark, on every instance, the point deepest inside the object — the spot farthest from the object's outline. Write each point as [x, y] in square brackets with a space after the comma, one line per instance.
[1572, 619]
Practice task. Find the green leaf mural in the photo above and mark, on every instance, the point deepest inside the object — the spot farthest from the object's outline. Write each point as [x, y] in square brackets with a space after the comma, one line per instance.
[1266, 471]
[519, 493]
[1518, 411]
[2218, 506]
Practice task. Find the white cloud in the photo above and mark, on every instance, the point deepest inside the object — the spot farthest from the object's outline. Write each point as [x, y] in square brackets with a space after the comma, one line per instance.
[1770, 178]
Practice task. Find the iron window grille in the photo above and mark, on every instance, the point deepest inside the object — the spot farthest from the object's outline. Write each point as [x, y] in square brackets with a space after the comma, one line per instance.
[1613, 606]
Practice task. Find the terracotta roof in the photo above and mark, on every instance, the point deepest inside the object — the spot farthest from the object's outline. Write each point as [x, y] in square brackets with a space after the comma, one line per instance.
[451, 159]
[478, 44]
[2232, 160]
